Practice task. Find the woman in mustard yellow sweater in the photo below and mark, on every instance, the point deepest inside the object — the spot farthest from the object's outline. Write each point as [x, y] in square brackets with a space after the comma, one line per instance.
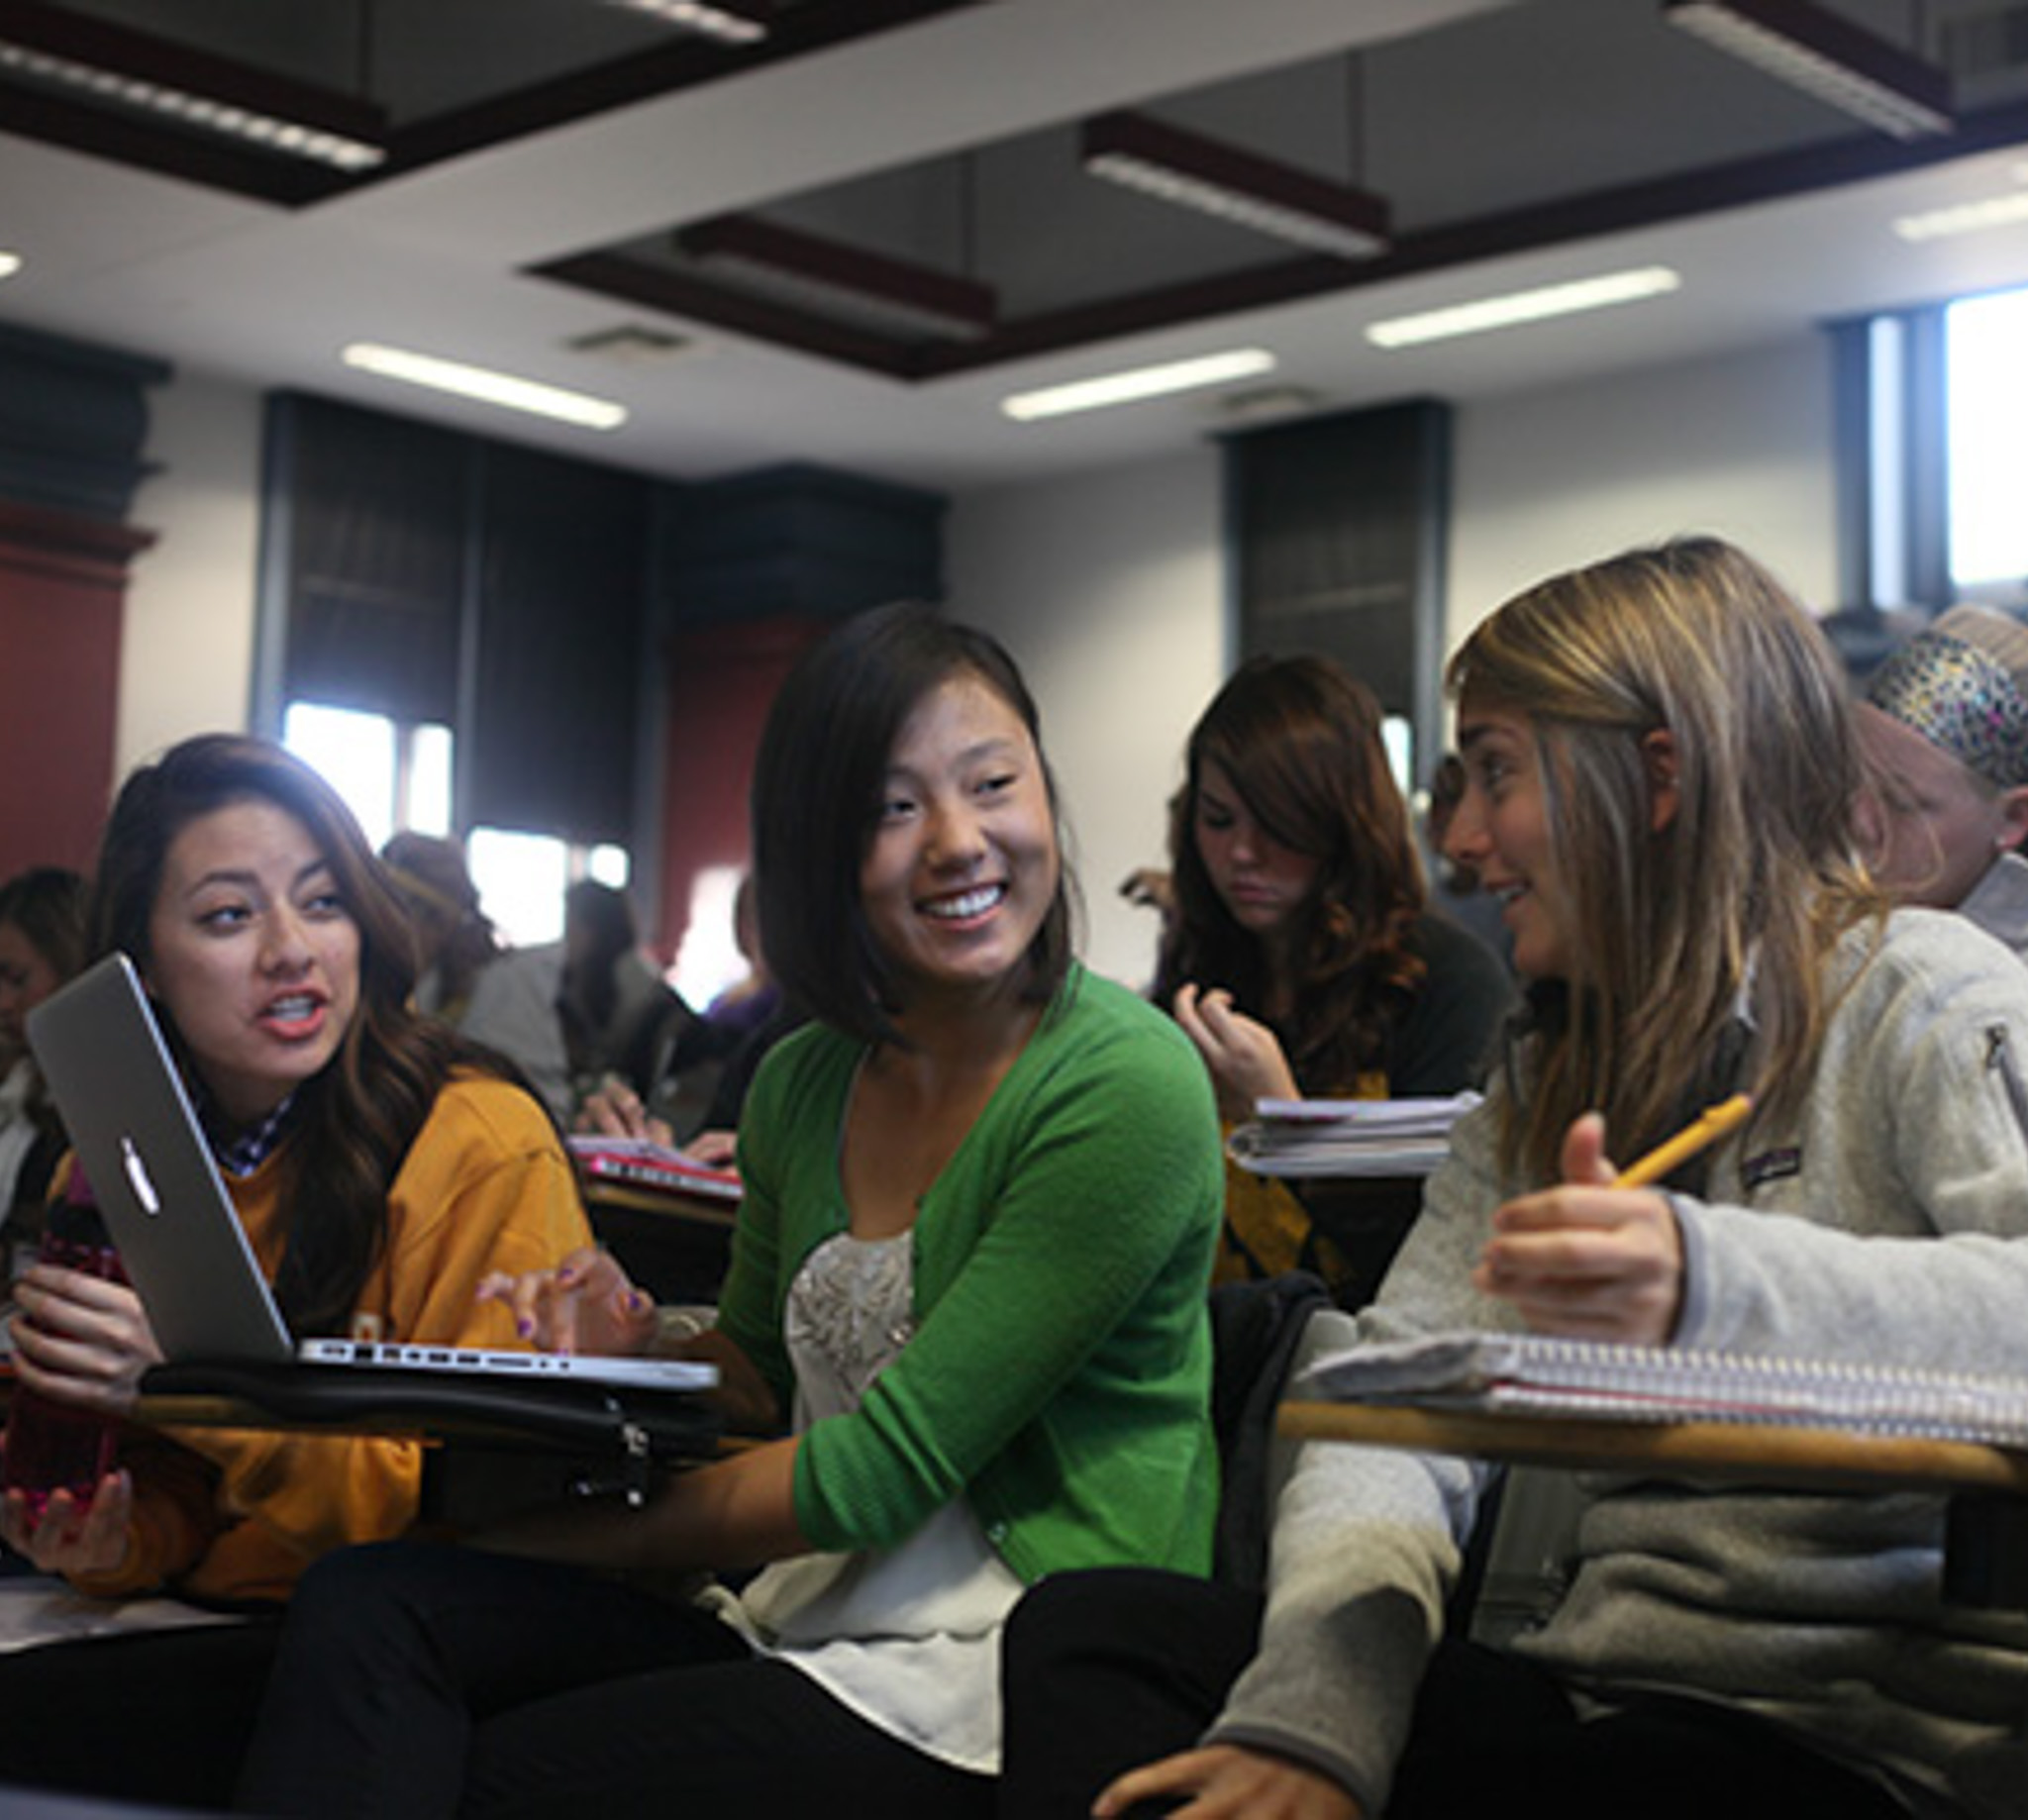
[381, 1169]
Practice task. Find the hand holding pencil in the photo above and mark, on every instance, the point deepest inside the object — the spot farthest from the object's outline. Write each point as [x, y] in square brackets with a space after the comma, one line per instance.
[1599, 1255]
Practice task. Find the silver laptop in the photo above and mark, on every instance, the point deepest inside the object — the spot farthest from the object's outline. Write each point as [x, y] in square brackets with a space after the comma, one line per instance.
[166, 1208]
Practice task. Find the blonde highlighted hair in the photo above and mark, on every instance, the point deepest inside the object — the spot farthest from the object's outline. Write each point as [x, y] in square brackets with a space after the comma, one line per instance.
[1756, 869]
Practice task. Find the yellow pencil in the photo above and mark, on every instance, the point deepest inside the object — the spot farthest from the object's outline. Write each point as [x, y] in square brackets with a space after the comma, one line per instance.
[1716, 1121]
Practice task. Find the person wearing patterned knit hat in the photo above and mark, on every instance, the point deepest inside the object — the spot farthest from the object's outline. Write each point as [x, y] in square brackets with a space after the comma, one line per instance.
[1944, 726]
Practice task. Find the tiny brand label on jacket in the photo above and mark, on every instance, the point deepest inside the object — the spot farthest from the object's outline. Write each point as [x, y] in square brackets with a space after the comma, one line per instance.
[1771, 1165]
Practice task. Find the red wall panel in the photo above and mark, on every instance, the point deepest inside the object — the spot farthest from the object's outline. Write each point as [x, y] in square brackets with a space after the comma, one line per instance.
[722, 681]
[63, 595]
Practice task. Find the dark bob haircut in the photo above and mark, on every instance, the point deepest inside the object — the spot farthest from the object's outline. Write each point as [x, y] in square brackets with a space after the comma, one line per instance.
[817, 783]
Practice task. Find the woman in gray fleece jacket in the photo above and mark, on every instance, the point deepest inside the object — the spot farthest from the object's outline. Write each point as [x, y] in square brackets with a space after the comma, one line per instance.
[1662, 769]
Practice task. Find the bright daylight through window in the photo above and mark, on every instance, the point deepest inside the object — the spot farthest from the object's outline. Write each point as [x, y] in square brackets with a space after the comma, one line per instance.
[1987, 363]
[399, 776]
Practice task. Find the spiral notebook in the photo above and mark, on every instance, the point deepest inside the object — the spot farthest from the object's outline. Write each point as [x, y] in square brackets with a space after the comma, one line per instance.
[1531, 1374]
[1348, 1138]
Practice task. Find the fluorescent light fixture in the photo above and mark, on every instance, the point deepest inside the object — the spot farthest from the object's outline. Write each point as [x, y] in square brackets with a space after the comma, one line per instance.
[105, 65]
[1828, 57]
[1964, 218]
[486, 386]
[10, 263]
[1239, 187]
[1139, 382]
[728, 25]
[1518, 307]
[870, 288]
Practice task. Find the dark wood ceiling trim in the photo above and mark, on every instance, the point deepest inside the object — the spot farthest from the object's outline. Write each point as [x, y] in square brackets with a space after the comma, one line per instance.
[195, 157]
[633, 281]
[681, 64]
[1610, 211]
[101, 130]
[1602, 211]
[170, 61]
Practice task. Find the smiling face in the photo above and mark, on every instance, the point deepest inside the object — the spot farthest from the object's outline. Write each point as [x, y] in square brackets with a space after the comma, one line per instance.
[1501, 829]
[1262, 882]
[1932, 826]
[253, 954]
[963, 867]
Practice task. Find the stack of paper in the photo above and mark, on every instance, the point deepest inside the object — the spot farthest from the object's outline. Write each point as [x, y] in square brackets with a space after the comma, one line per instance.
[1534, 1374]
[1348, 1137]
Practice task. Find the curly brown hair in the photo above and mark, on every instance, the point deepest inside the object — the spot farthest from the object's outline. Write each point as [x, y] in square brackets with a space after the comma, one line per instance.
[1300, 741]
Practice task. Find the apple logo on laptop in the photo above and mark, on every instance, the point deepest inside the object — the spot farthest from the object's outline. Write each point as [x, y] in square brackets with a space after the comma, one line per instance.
[137, 1174]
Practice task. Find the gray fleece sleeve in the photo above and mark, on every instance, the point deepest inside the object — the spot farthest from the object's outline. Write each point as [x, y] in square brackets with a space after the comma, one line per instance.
[1366, 1541]
[1908, 1241]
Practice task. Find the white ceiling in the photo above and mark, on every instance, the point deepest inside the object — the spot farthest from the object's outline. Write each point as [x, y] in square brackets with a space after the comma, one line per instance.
[435, 258]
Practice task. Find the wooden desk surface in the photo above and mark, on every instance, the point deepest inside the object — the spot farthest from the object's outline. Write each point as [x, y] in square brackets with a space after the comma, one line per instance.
[674, 1246]
[1808, 1459]
[693, 1209]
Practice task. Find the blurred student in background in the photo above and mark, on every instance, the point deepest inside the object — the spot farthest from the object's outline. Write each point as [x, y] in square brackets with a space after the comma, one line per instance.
[455, 938]
[1945, 730]
[42, 945]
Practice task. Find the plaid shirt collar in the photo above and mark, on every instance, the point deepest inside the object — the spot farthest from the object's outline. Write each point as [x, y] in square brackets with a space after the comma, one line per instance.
[241, 1153]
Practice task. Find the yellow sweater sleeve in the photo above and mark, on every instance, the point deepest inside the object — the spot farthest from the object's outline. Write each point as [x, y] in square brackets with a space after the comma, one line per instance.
[486, 1186]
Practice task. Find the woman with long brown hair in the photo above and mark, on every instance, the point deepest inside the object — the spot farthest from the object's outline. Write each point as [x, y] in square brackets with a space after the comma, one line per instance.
[381, 1167]
[1662, 776]
[1302, 957]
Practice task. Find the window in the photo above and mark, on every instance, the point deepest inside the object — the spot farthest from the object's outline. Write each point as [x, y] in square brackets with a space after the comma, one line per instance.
[390, 774]
[438, 579]
[1986, 405]
[1933, 402]
[396, 775]
[521, 878]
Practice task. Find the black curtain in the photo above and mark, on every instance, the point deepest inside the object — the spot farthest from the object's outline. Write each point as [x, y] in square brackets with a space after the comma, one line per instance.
[376, 548]
[1336, 526]
[433, 576]
[552, 736]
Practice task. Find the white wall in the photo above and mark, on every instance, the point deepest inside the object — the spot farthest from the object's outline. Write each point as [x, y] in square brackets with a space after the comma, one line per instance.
[186, 657]
[1739, 447]
[1108, 591]
[1110, 587]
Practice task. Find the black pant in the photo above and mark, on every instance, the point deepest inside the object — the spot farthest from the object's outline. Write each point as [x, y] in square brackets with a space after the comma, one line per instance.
[161, 1716]
[428, 1681]
[1111, 1670]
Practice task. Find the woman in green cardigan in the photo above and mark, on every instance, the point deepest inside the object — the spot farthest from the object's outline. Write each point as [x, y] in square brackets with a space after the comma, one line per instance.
[981, 1191]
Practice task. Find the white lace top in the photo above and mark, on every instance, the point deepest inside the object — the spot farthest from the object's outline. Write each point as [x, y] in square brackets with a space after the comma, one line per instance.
[908, 1637]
